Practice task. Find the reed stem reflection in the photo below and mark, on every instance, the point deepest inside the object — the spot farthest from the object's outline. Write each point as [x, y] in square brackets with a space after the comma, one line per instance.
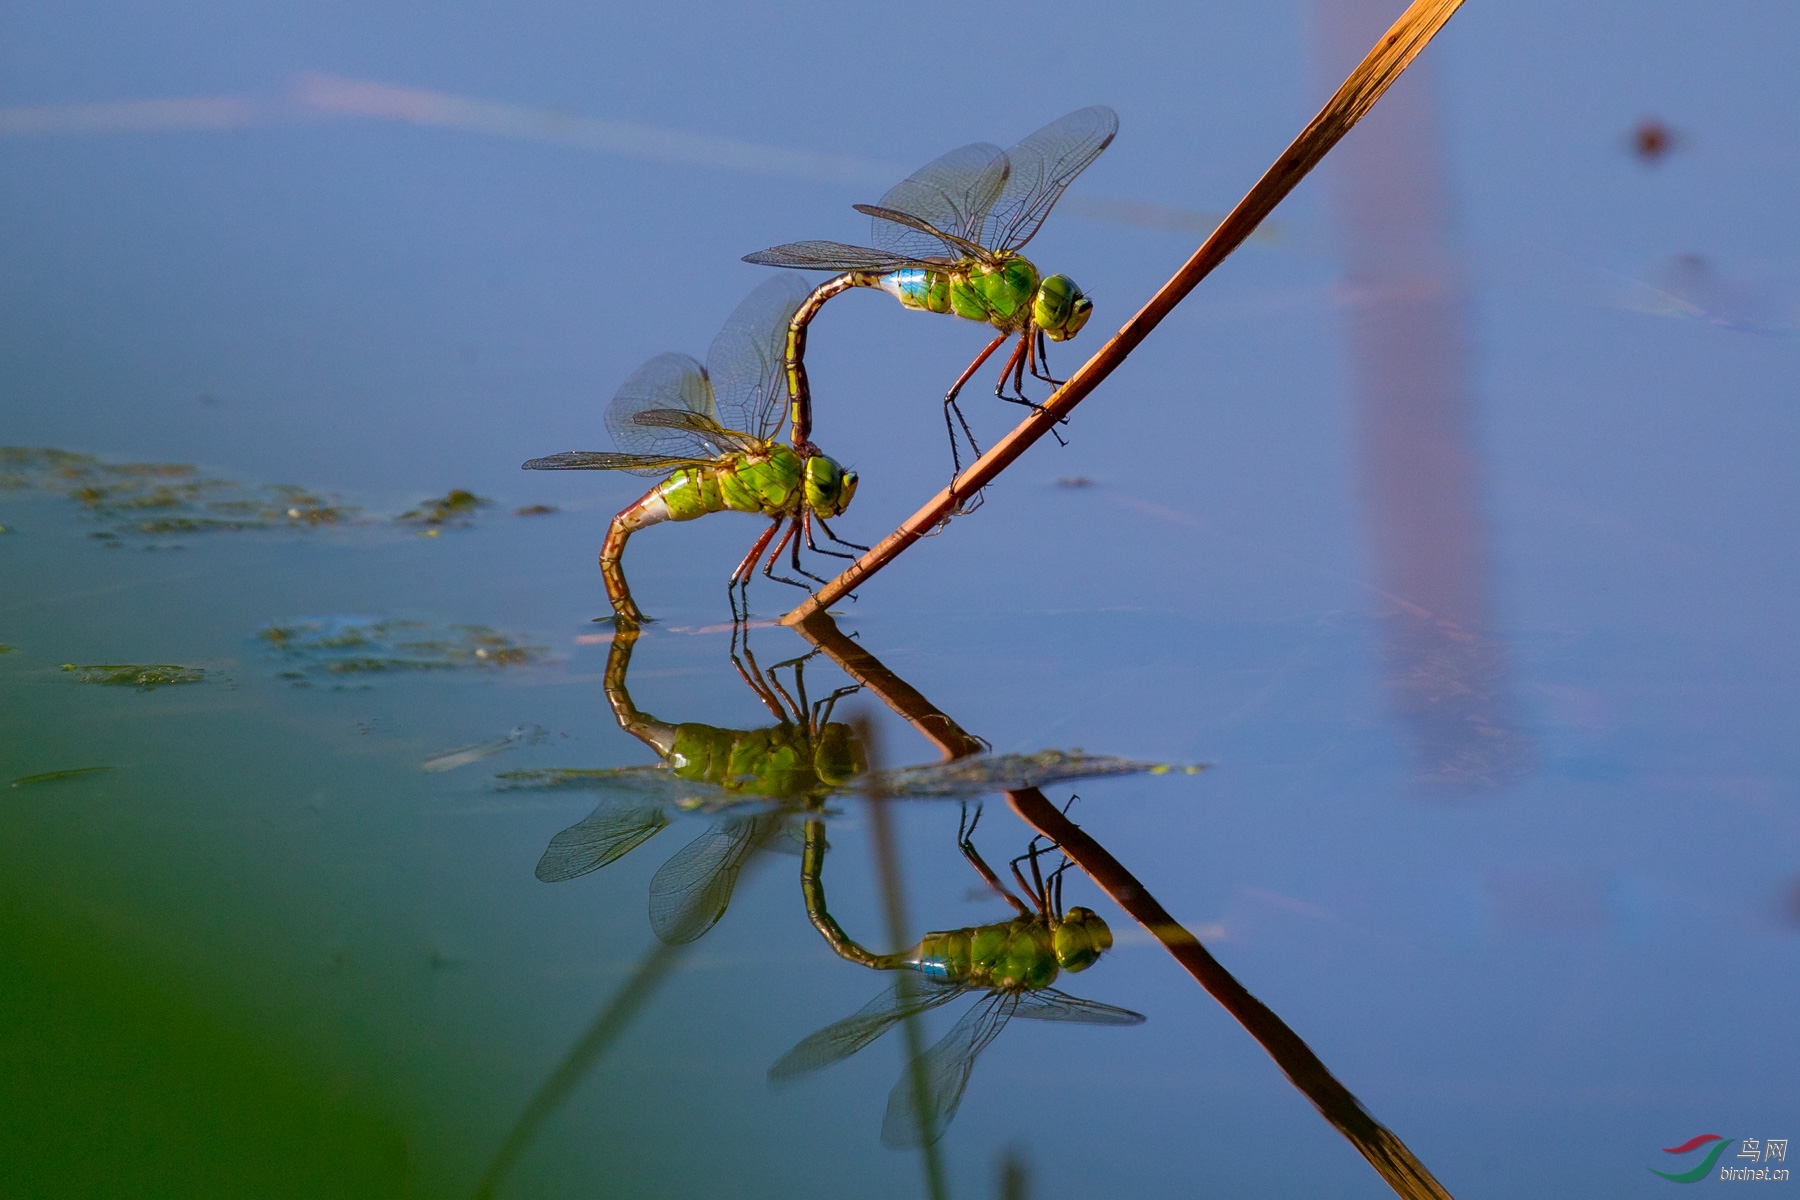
[1375, 1142]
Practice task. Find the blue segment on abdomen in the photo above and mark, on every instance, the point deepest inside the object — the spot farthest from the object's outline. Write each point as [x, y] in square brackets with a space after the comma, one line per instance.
[909, 285]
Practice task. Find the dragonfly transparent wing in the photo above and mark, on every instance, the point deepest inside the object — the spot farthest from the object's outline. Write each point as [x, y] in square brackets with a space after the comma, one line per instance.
[952, 193]
[837, 256]
[699, 424]
[605, 460]
[978, 775]
[691, 892]
[647, 785]
[1049, 1004]
[614, 829]
[747, 361]
[906, 996]
[921, 1105]
[668, 381]
[960, 247]
[1043, 165]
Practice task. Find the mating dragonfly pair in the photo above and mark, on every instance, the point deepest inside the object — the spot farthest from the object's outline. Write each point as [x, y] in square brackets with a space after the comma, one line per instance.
[947, 240]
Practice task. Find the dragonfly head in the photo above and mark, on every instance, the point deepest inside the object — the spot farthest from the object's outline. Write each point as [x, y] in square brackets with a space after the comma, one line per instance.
[1081, 937]
[829, 487]
[1060, 309]
[838, 757]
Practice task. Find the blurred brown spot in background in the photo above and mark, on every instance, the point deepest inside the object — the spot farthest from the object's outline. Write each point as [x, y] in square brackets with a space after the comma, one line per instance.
[1651, 141]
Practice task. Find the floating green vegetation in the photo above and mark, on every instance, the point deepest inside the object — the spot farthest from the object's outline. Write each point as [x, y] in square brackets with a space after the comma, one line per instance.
[536, 510]
[148, 676]
[161, 499]
[341, 646]
[452, 508]
[57, 776]
[5, 649]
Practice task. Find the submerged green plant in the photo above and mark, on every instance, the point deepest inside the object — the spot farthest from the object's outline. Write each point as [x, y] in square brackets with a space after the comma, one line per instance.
[148, 676]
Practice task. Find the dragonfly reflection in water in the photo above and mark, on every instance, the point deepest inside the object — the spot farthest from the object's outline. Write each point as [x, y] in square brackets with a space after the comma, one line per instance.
[757, 780]
[765, 774]
[1011, 963]
[799, 793]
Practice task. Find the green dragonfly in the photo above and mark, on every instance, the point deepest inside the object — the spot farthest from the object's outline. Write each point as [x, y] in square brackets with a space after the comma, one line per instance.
[1011, 964]
[710, 430]
[756, 779]
[947, 240]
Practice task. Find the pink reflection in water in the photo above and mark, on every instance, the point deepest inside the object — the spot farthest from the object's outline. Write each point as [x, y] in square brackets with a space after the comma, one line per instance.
[1407, 327]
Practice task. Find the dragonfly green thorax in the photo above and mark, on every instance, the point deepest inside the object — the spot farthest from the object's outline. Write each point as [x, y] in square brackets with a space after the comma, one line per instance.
[770, 481]
[946, 240]
[1023, 954]
[1007, 295]
[710, 431]
[779, 762]
[803, 757]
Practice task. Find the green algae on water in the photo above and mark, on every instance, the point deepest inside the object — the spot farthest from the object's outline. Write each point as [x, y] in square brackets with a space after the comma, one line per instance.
[163, 499]
[453, 508]
[354, 645]
[57, 776]
[147, 676]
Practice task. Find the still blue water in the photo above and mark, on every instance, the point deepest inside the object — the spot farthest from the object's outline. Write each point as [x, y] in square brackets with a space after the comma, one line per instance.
[1451, 525]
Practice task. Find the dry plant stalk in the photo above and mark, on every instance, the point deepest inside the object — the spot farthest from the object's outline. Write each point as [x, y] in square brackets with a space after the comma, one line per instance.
[1373, 76]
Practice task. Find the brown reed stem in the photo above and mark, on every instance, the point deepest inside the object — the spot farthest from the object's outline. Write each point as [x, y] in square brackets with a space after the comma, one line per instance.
[1365, 85]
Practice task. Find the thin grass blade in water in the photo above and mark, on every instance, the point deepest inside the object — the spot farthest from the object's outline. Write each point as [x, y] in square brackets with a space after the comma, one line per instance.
[57, 776]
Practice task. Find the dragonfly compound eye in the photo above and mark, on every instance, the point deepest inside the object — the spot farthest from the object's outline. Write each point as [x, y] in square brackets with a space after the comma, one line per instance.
[1081, 938]
[829, 487]
[839, 757]
[1061, 309]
